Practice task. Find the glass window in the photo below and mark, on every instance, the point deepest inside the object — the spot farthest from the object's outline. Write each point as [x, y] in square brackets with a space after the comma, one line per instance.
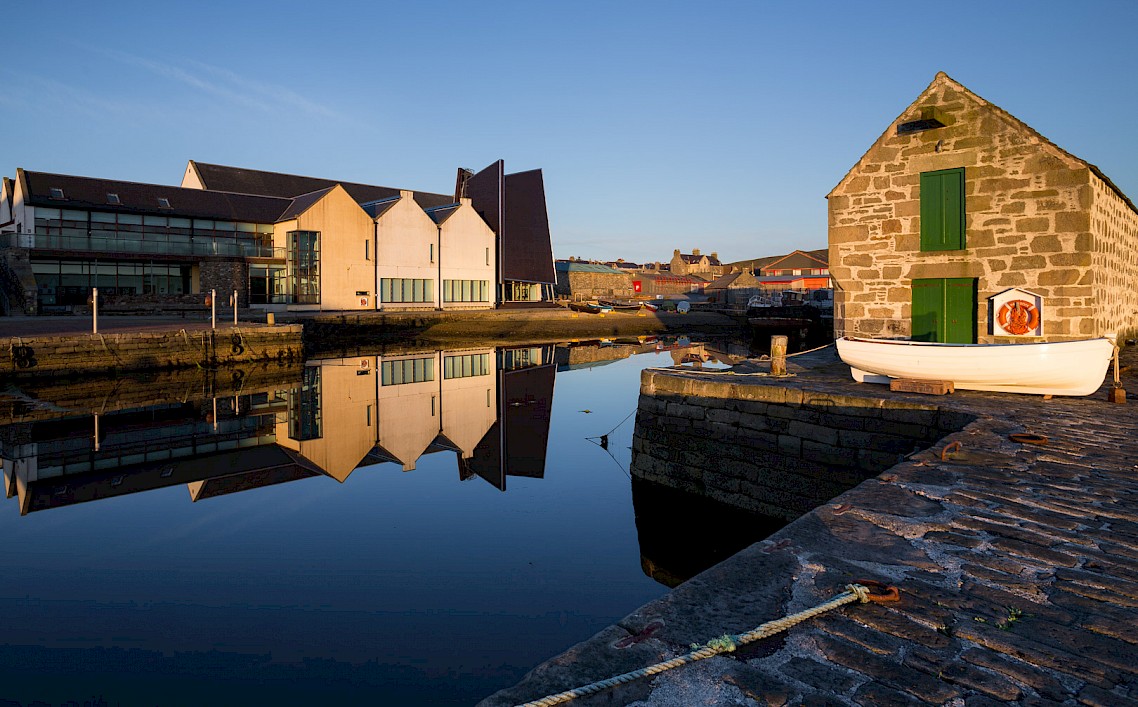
[304, 265]
[412, 370]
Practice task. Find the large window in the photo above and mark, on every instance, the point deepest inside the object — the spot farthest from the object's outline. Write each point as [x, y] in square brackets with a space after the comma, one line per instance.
[304, 266]
[466, 291]
[942, 210]
[101, 231]
[267, 284]
[466, 366]
[62, 282]
[396, 289]
[304, 419]
[410, 370]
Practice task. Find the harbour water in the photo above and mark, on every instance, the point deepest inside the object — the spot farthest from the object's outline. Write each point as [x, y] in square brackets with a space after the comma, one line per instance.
[417, 527]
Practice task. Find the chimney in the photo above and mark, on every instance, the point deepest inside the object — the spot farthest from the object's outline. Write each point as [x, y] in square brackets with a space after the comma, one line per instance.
[404, 194]
[695, 251]
[677, 252]
[714, 255]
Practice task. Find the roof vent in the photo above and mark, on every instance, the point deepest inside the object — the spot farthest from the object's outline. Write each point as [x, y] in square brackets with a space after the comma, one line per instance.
[930, 119]
[113, 198]
[163, 202]
[57, 193]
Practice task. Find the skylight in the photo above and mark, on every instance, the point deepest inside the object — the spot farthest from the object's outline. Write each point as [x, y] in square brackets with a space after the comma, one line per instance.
[56, 193]
[163, 202]
[113, 198]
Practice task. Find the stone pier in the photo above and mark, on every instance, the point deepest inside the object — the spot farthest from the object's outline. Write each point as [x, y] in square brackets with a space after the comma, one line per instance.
[1017, 563]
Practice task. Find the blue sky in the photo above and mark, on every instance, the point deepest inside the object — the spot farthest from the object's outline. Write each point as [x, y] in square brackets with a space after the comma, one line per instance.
[662, 125]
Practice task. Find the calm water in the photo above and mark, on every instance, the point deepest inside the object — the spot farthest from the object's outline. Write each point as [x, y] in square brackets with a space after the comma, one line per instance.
[400, 529]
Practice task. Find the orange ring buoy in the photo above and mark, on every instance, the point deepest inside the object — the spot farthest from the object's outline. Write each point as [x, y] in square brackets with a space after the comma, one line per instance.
[1018, 316]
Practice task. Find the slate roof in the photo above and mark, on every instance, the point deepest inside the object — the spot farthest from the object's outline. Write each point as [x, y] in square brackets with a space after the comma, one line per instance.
[254, 181]
[375, 209]
[723, 281]
[440, 214]
[301, 203]
[691, 259]
[575, 266]
[140, 198]
[798, 260]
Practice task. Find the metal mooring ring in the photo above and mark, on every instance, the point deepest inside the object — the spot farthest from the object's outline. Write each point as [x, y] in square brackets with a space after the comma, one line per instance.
[879, 592]
[1027, 438]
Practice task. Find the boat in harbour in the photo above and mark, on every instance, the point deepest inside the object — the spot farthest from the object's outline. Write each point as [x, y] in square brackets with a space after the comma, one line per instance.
[586, 307]
[1053, 368]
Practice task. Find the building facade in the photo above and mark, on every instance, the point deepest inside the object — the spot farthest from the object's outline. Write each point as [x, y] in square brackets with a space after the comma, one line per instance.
[279, 241]
[963, 224]
[695, 263]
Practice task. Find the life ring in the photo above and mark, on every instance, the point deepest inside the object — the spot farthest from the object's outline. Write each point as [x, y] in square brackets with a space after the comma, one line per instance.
[1018, 317]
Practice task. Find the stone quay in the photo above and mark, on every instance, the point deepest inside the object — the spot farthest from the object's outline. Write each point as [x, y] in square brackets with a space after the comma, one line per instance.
[1017, 562]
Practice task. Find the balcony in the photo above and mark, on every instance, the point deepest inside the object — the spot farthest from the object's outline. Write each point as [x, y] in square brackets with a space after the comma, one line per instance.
[152, 244]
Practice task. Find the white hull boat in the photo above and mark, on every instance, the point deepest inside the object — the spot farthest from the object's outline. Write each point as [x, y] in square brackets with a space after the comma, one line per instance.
[1058, 368]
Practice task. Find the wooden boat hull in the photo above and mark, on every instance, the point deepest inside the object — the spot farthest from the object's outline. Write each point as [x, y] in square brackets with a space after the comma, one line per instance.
[583, 307]
[1058, 368]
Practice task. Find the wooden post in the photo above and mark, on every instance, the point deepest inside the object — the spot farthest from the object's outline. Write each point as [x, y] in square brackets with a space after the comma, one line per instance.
[1117, 393]
[235, 308]
[213, 309]
[94, 310]
[778, 355]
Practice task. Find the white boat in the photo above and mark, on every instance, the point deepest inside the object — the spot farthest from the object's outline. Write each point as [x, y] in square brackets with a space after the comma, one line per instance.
[1058, 368]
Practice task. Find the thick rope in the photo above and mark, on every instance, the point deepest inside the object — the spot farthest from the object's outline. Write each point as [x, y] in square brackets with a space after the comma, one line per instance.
[723, 644]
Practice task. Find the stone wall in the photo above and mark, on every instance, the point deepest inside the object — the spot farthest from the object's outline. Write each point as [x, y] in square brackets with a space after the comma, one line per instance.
[776, 451]
[1115, 261]
[225, 276]
[55, 355]
[1029, 224]
[592, 284]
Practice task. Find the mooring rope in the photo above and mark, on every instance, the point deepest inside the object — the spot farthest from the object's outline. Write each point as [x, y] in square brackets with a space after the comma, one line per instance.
[724, 644]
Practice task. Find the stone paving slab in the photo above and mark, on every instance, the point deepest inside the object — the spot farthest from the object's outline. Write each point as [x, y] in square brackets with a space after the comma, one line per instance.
[1017, 565]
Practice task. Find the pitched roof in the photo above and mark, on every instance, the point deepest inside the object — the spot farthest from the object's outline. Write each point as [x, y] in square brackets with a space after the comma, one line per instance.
[375, 209]
[723, 281]
[136, 197]
[798, 260]
[691, 258]
[301, 204]
[943, 78]
[440, 214]
[254, 181]
[577, 266]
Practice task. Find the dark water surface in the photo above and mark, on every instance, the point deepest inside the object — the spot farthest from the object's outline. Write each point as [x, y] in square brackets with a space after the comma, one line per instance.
[418, 528]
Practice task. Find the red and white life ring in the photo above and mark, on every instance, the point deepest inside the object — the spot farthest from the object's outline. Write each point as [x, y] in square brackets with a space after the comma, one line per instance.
[1018, 317]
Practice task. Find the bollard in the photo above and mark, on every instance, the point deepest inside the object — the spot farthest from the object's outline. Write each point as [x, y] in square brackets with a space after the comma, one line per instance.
[213, 309]
[95, 311]
[778, 355]
[271, 319]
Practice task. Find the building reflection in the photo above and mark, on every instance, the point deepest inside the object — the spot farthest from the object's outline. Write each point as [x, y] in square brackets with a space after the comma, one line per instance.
[489, 407]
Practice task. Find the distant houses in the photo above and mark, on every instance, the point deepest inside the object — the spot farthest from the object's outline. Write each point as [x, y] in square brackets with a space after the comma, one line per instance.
[963, 224]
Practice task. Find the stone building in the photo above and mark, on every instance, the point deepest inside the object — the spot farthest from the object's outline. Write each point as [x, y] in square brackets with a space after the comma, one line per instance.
[580, 280]
[963, 224]
[695, 263]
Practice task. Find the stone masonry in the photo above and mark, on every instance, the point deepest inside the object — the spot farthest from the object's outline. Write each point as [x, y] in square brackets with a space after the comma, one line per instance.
[1037, 218]
[769, 450]
[1017, 566]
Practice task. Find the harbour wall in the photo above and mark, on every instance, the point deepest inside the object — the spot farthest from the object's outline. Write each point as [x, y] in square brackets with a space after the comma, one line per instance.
[149, 350]
[773, 450]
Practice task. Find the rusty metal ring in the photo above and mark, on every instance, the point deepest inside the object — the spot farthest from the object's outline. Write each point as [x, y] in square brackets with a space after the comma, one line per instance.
[1027, 438]
[879, 592]
[949, 449]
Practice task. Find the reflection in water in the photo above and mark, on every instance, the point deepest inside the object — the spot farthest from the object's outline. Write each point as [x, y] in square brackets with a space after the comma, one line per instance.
[489, 407]
[409, 589]
[682, 534]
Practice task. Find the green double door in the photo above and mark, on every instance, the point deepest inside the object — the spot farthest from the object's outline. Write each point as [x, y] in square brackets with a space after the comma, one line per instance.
[944, 310]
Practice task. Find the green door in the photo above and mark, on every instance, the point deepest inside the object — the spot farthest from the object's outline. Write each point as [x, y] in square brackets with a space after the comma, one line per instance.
[944, 310]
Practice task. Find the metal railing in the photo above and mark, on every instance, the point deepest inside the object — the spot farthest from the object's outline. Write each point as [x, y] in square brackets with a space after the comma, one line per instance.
[150, 243]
